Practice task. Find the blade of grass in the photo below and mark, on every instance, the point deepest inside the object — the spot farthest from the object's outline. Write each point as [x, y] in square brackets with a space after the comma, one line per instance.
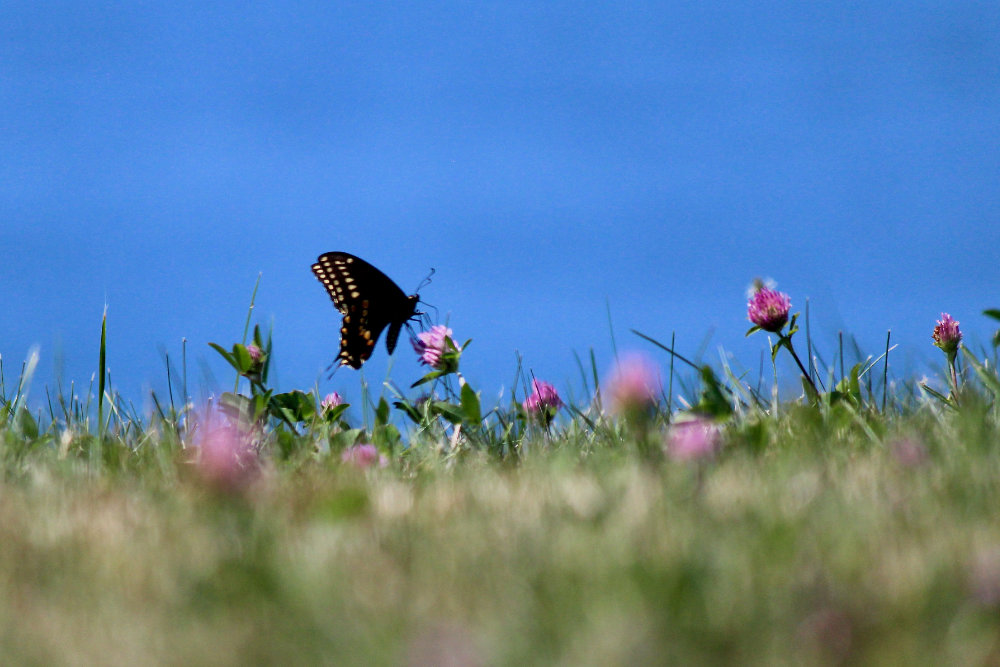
[809, 342]
[597, 382]
[840, 339]
[583, 373]
[611, 328]
[885, 369]
[170, 382]
[184, 371]
[102, 371]
[670, 384]
[24, 382]
[666, 349]
[246, 325]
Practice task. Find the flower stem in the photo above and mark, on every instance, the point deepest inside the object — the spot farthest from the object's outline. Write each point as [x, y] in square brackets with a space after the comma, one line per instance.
[802, 368]
[954, 377]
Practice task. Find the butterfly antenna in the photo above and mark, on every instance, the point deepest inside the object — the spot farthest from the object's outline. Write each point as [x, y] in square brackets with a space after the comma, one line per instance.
[426, 281]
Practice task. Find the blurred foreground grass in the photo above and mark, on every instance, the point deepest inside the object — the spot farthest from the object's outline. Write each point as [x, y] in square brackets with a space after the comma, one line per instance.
[823, 547]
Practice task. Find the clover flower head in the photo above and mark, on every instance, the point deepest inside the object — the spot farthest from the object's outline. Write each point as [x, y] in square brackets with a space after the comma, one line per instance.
[431, 345]
[226, 460]
[768, 308]
[543, 397]
[634, 384]
[693, 440]
[363, 455]
[947, 335]
[330, 401]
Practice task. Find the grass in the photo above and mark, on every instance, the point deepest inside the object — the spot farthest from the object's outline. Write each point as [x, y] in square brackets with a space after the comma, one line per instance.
[824, 530]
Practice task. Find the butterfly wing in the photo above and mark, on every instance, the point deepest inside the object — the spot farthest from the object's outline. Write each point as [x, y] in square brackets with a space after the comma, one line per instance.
[368, 300]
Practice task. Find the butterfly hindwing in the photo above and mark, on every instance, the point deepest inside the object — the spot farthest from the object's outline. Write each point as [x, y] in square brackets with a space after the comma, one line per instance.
[368, 300]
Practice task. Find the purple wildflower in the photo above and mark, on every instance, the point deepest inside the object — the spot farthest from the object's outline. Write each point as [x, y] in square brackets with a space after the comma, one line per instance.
[634, 384]
[431, 346]
[947, 335]
[330, 401]
[768, 308]
[226, 460]
[544, 396]
[693, 440]
[255, 352]
[363, 456]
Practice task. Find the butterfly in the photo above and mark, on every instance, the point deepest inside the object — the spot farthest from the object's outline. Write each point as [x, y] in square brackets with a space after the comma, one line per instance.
[369, 302]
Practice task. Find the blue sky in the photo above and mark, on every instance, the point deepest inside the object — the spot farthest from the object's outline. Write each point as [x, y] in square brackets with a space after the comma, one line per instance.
[549, 160]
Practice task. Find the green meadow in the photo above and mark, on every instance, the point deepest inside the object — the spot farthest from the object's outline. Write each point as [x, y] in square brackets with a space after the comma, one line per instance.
[670, 514]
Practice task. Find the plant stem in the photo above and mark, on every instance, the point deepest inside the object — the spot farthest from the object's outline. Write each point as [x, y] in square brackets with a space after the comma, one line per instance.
[802, 368]
[954, 378]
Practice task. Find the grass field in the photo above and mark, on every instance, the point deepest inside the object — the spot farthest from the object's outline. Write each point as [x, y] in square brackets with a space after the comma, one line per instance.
[848, 525]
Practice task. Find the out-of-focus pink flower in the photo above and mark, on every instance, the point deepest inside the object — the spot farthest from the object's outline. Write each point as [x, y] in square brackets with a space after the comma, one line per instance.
[984, 577]
[909, 452]
[431, 345]
[330, 401]
[363, 456]
[831, 631]
[768, 308]
[947, 335]
[226, 460]
[445, 645]
[693, 439]
[255, 352]
[543, 396]
[634, 384]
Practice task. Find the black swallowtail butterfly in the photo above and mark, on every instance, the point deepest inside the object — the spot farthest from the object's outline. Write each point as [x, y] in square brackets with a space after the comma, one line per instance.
[368, 300]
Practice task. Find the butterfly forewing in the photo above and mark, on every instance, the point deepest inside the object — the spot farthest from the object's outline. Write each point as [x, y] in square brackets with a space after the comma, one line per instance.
[368, 300]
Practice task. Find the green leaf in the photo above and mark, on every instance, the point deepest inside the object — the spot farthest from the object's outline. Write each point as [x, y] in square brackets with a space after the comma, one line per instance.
[234, 404]
[809, 390]
[450, 412]
[850, 386]
[936, 394]
[714, 399]
[382, 413]
[430, 377]
[258, 405]
[753, 329]
[470, 405]
[343, 439]
[783, 341]
[287, 443]
[225, 355]
[243, 359]
[409, 410]
[296, 406]
[27, 424]
[992, 312]
[386, 437]
[333, 414]
[988, 377]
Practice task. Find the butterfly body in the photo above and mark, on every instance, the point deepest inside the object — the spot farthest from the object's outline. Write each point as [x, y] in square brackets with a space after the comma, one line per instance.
[369, 302]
